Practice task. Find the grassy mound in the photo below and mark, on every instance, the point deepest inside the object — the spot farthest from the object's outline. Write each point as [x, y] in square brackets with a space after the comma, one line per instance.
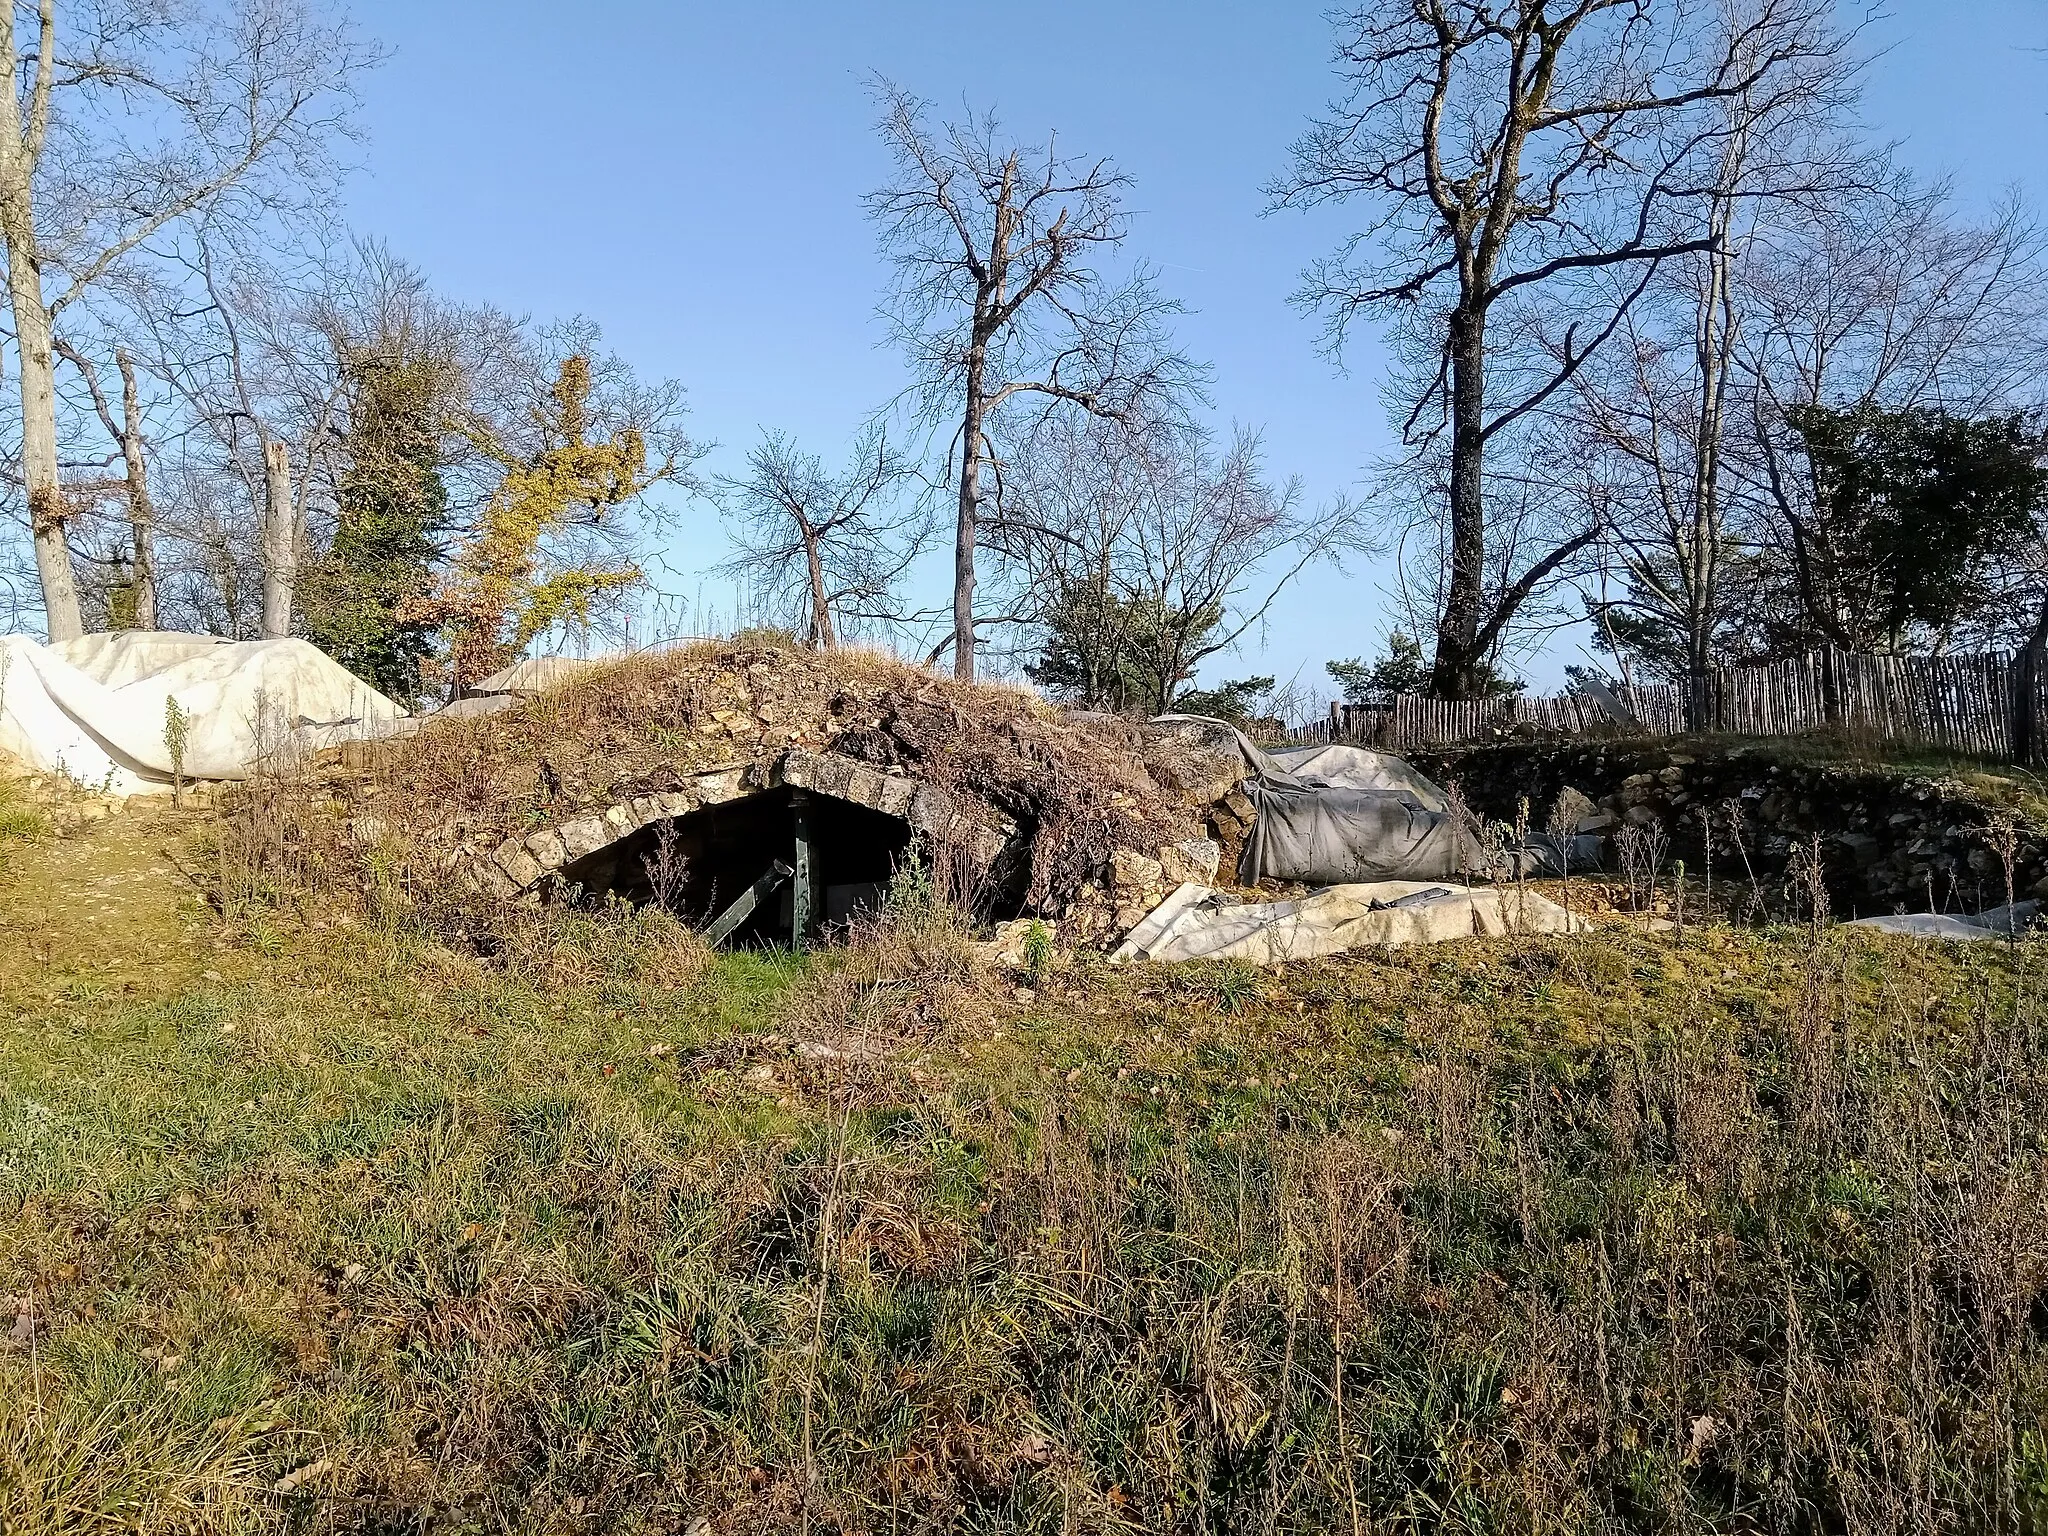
[640, 726]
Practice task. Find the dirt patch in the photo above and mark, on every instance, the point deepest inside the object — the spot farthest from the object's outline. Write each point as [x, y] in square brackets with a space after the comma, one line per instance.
[112, 906]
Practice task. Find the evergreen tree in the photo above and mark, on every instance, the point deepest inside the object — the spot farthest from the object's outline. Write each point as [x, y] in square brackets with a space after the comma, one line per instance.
[392, 507]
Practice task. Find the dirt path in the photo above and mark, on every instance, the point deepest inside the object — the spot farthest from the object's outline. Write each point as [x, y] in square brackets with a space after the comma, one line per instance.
[106, 905]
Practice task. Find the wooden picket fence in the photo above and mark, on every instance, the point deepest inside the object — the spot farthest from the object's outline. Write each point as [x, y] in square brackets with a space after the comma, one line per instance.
[1958, 703]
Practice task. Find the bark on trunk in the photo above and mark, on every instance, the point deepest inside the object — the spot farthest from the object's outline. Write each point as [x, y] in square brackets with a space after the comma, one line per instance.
[821, 606]
[965, 532]
[21, 144]
[47, 511]
[1459, 664]
[141, 512]
[280, 541]
[1718, 321]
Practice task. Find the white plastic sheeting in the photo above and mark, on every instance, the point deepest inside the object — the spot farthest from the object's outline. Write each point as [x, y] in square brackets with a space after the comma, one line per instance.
[537, 674]
[1998, 923]
[95, 708]
[1197, 923]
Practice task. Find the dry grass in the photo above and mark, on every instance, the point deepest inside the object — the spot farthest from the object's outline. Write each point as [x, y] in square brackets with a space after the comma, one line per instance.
[1743, 1231]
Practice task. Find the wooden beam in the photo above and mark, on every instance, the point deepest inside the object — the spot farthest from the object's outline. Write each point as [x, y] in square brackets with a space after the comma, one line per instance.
[750, 900]
[806, 870]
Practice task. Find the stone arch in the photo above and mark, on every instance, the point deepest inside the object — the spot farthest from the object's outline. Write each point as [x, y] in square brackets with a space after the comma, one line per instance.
[534, 866]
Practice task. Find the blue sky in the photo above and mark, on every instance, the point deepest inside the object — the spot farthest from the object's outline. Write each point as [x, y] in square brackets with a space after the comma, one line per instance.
[690, 177]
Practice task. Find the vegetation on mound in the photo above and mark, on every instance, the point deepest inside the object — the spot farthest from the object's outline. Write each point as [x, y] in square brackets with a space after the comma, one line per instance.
[1733, 1231]
[641, 726]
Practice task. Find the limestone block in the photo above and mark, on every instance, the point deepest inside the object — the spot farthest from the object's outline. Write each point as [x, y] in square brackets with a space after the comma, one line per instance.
[520, 865]
[1196, 859]
[832, 775]
[896, 794]
[717, 788]
[1130, 871]
[930, 809]
[620, 819]
[864, 786]
[585, 835]
[548, 849]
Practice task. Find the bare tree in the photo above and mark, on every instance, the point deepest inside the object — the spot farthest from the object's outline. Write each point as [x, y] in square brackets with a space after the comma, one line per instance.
[1134, 557]
[127, 434]
[1645, 429]
[829, 546]
[131, 117]
[996, 297]
[1512, 150]
[1891, 301]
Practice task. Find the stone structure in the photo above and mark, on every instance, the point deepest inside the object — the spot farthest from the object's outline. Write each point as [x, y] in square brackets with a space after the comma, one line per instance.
[525, 867]
[1889, 840]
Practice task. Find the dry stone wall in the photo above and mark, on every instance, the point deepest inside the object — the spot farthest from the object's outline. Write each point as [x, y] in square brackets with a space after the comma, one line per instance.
[1888, 840]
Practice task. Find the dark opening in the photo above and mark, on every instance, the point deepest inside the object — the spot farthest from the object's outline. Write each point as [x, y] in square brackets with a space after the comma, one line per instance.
[707, 859]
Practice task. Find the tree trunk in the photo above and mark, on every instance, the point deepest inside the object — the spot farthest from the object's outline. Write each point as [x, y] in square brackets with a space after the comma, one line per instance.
[47, 511]
[1716, 340]
[1459, 664]
[1704, 557]
[821, 606]
[280, 540]
[965, 532]
[141, 513]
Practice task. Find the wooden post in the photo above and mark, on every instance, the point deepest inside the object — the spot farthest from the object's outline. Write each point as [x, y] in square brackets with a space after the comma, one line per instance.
[749, 899]
[2026, 692]
[806, 869]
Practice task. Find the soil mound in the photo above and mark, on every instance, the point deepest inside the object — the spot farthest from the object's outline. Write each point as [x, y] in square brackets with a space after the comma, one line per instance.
[1072, 800]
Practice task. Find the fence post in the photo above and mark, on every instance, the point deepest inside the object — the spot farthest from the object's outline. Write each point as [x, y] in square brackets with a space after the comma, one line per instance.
[2026, 693]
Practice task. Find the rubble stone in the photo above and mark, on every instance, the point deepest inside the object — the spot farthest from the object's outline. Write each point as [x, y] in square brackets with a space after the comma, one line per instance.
[1133, 872]
[1197, 859]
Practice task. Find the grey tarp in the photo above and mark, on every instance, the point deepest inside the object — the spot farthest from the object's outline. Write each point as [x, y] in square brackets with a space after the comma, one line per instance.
[1998, 923]
[1327, 835]
[1347, 767]
[1321, 832]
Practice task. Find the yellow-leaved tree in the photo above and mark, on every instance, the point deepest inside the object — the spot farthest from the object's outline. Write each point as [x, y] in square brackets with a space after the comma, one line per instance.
[521, 571]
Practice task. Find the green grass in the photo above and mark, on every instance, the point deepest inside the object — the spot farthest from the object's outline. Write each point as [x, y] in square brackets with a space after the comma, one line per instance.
[21, 821]
[1619, 1232]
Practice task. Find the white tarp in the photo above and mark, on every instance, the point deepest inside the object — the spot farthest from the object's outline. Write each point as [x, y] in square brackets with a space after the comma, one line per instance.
[537, 674]
[95, 708]
[124, 656]
[1998, 923]
[1196, 923]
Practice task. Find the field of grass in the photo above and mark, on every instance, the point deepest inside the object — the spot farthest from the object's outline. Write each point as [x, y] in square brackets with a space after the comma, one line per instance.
[316, 1226]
